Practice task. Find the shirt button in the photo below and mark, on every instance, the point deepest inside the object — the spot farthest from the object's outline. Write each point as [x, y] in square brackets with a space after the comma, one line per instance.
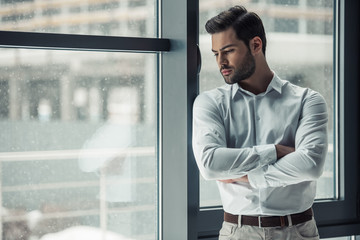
[257, 118]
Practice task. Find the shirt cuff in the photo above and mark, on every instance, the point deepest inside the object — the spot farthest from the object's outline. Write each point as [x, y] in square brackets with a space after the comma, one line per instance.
[267, 154]
[257, 177]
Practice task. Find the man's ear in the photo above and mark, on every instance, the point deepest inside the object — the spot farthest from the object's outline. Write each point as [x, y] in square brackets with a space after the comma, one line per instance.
[256, 45]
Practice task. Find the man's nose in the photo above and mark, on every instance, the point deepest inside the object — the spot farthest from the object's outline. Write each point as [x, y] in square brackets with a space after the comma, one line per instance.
[222, 60]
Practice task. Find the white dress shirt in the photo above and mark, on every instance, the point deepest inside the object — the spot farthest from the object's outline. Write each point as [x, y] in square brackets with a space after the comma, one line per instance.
[235, 132]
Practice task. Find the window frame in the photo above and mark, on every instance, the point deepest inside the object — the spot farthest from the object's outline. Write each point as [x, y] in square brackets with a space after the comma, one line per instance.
[338, 217]
[179, 69]
[77, 42]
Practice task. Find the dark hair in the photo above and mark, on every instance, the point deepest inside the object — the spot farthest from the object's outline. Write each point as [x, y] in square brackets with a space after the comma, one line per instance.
[247, 25]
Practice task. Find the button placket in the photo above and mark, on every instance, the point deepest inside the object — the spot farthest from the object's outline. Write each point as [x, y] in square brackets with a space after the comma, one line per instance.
[256, 119]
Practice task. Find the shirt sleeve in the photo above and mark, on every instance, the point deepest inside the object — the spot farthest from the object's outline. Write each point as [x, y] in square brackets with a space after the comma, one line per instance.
[214, 159]
[307, 162]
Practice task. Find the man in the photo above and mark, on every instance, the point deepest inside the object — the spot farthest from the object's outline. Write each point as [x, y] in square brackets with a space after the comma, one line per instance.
[262, 138]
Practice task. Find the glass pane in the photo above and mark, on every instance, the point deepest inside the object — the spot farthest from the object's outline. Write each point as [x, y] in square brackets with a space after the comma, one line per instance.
[96, 17]
[299, 49]
[78, 148]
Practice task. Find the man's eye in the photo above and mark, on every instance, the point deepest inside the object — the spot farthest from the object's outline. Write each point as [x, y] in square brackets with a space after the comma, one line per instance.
[216, 54]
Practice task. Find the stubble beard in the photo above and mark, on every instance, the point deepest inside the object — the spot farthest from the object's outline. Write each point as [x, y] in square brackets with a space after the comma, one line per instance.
[244, 71]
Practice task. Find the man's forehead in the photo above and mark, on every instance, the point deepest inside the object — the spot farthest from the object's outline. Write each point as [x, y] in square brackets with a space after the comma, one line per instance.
[219, 44]
[224, 38]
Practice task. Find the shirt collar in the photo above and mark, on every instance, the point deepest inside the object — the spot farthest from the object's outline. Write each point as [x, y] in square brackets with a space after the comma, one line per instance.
[276, 84]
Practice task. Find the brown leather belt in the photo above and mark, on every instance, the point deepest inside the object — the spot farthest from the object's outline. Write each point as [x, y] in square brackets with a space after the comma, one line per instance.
[273, 221]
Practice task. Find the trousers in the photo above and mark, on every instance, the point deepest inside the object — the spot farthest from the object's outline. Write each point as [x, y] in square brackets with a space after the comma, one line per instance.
[304, 231]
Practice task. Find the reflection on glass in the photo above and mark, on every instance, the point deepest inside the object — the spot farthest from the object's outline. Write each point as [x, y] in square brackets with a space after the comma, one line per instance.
[299, 49]
[78, 145]
[95, 17]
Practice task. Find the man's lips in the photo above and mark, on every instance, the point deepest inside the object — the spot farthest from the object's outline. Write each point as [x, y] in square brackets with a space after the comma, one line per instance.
[226, 71]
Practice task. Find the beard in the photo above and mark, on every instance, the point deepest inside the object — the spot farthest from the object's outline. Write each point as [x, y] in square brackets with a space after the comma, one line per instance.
[241, 72]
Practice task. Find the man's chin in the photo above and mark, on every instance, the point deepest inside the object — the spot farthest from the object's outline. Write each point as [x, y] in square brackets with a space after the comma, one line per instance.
[228, 80]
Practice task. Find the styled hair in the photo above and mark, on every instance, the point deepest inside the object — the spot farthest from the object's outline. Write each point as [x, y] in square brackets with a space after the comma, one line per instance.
[247, 25]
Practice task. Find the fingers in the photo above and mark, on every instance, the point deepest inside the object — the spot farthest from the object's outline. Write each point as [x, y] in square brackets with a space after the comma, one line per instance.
[241, 179]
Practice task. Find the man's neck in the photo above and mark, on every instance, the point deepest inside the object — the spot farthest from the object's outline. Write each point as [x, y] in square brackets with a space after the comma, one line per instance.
[258, 82]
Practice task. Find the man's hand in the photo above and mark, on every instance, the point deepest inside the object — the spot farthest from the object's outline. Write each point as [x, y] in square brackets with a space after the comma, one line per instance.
[282, 150]
[241, 179]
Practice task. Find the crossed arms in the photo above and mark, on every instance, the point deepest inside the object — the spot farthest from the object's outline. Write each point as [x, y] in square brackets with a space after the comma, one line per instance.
[281, 151]
[270, 165]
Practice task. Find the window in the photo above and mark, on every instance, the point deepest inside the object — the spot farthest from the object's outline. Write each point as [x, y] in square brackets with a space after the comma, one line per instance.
[78, 142]
[79, 149]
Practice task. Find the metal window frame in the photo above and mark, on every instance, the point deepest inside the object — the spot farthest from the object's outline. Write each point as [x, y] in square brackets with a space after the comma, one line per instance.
[180, 184]
[12, 39]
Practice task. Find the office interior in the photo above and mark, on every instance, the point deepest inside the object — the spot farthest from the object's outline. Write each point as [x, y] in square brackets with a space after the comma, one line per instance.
[96, 114]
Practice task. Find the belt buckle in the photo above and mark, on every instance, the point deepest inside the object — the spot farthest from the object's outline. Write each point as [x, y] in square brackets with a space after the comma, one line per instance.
[282, 221]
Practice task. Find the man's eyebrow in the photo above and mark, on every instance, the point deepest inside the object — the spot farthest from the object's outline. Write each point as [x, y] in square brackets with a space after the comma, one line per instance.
[226, 46]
